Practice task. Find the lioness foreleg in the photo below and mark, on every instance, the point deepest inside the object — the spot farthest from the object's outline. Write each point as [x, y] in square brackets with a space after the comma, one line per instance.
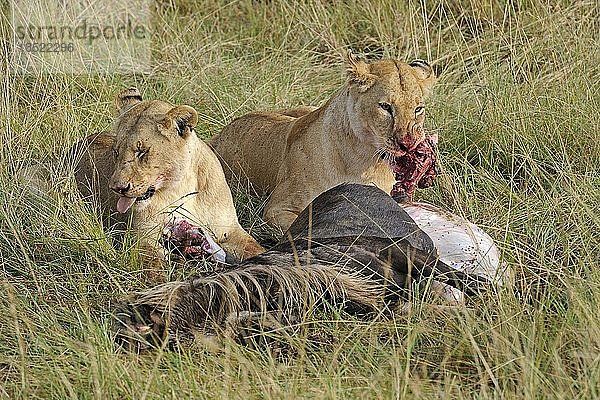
[241, 245]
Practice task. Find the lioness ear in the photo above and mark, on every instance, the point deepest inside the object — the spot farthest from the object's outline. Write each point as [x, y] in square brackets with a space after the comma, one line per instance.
[183, 118]
[126, 98]
[423, 72]
[359, 72]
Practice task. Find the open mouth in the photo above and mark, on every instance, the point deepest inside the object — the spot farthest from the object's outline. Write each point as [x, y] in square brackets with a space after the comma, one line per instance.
[398, 149]
[125, 203]
[149, 193]
[392, 153]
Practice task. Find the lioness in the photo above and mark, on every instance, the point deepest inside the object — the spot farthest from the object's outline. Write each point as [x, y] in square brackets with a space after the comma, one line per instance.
[154, 164]
[299, 153]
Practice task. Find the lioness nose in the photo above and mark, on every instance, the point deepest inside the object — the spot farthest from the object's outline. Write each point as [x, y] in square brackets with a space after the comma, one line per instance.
[121, 188]
[408, 142]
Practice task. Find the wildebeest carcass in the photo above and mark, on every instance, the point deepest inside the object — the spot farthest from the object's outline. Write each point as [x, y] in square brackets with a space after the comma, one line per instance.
[353, 248]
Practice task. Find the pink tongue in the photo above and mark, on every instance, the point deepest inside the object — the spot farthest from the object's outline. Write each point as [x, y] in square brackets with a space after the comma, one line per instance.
[125, 204]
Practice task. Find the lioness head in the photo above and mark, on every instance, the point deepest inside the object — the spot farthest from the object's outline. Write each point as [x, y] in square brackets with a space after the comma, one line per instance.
[151, 147]
[387, 102]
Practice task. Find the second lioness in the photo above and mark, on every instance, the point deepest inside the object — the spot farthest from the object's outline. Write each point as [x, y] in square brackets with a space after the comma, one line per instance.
[154, 164]
[297, 154]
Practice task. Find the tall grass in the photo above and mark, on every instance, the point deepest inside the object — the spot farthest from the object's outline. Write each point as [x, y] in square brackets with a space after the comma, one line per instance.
[517, 107]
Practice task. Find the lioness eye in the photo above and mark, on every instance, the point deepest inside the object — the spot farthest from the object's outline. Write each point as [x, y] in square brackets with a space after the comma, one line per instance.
[141, 153]
[419, 110]
[387, 107]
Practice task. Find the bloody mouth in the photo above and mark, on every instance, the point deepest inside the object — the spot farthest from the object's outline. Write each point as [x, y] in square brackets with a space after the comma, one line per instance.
[415, 168]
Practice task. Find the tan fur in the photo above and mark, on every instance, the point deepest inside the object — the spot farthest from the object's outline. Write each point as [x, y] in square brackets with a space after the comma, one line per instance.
[297, 154]
[154, 144]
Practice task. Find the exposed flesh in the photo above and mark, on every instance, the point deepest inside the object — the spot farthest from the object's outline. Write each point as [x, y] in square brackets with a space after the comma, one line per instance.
[415, 168]
[190, 241]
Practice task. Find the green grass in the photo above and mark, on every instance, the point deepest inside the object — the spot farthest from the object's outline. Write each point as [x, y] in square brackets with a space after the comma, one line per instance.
[517, 108]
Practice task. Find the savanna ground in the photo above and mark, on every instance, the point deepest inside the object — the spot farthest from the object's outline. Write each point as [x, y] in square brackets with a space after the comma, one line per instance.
[517, 108]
